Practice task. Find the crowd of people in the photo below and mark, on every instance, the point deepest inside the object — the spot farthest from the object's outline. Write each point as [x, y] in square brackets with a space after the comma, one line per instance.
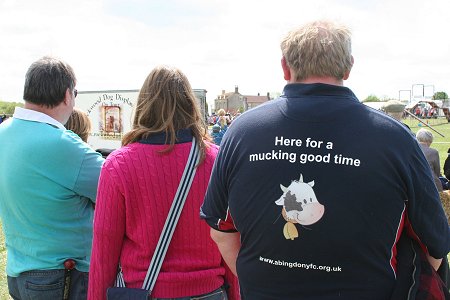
[425, 137]
[300, 201]
[220, 123]
[425, 111]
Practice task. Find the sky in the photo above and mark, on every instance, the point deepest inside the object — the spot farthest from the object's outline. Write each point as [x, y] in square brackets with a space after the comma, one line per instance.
[400, 47]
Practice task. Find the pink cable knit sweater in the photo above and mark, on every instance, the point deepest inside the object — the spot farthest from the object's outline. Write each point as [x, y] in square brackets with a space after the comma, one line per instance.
[136, 188]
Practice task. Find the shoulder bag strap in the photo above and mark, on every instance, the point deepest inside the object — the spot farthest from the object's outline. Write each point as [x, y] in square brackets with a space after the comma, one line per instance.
[172, 218]
[171, 221]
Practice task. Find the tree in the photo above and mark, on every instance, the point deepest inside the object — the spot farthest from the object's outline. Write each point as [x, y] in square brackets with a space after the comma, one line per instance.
[371, 98]
[7, 108]
[440, 96]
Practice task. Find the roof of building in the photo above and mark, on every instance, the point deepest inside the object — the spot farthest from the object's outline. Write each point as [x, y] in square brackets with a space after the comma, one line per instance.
[226, 95]
[256, 99]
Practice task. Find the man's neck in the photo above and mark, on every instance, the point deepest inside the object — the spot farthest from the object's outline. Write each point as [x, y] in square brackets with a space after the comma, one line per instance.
[52, 112]
[318, 79]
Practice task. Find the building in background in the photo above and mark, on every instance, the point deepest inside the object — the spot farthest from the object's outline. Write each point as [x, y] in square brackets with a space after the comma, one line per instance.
[253, 101]
[200, 94]
[234, 102]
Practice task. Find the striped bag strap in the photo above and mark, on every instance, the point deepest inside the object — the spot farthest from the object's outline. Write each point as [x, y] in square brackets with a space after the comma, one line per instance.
[171, 221]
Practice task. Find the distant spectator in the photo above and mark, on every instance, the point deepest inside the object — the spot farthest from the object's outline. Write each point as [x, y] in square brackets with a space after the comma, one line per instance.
[395, 109]
[425, 138]
[228, 118]
[223, 120]
[417, 111]
[212, 119]
[217, 134]
[79, 123]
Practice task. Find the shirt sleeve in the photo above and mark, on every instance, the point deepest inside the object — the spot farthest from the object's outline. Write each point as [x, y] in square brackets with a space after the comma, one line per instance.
[87, 180]
[215, 210]
[109, 231]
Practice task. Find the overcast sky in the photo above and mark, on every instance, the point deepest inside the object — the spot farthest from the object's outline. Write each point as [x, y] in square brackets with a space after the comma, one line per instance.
[218, 44]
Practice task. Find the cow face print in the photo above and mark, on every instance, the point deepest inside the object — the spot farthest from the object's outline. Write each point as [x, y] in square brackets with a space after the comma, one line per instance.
[290, 202]
[300, 204]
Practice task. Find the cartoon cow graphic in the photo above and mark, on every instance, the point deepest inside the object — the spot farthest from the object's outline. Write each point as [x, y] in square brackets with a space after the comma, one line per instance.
[300, 206]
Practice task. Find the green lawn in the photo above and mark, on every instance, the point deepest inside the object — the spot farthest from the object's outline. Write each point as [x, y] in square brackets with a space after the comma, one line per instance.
[3, 284]
[440, 143]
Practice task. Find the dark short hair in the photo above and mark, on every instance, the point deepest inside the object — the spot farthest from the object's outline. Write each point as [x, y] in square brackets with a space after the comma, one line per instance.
[47, 81]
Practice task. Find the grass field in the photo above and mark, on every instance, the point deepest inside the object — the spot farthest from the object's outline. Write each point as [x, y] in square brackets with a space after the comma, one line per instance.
[440, 143]
[3, 284]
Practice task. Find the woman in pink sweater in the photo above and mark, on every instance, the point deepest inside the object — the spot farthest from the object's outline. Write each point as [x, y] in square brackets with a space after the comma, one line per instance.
[137, 185]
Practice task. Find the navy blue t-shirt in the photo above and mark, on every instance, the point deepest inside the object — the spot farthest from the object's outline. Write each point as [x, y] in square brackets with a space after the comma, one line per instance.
[317, 184]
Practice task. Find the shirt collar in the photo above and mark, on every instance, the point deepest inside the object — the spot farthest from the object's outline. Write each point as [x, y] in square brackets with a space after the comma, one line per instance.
[316, 89]
[182, 136]
[32, 115]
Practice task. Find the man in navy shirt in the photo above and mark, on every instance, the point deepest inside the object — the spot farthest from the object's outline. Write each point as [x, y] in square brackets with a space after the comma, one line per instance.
[311, 192]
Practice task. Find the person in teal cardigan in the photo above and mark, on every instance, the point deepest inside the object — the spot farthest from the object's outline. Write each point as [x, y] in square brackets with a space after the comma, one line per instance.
[48, 185]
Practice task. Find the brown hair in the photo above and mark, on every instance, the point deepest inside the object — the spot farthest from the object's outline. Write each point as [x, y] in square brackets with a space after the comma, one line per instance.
[79, 123]
[166, 103]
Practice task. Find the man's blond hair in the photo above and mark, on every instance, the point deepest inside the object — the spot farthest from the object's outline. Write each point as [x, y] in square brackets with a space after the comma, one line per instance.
[320, 48]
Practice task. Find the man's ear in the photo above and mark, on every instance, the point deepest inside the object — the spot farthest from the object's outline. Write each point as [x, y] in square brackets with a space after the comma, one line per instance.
[67, 96]
[286, 70]
[347, 73]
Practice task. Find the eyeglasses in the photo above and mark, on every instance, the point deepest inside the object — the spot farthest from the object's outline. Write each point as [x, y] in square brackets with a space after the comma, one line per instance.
[75, 92]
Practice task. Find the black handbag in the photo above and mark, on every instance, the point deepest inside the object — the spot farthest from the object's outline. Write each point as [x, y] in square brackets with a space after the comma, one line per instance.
[120, 292]
[124, 293]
